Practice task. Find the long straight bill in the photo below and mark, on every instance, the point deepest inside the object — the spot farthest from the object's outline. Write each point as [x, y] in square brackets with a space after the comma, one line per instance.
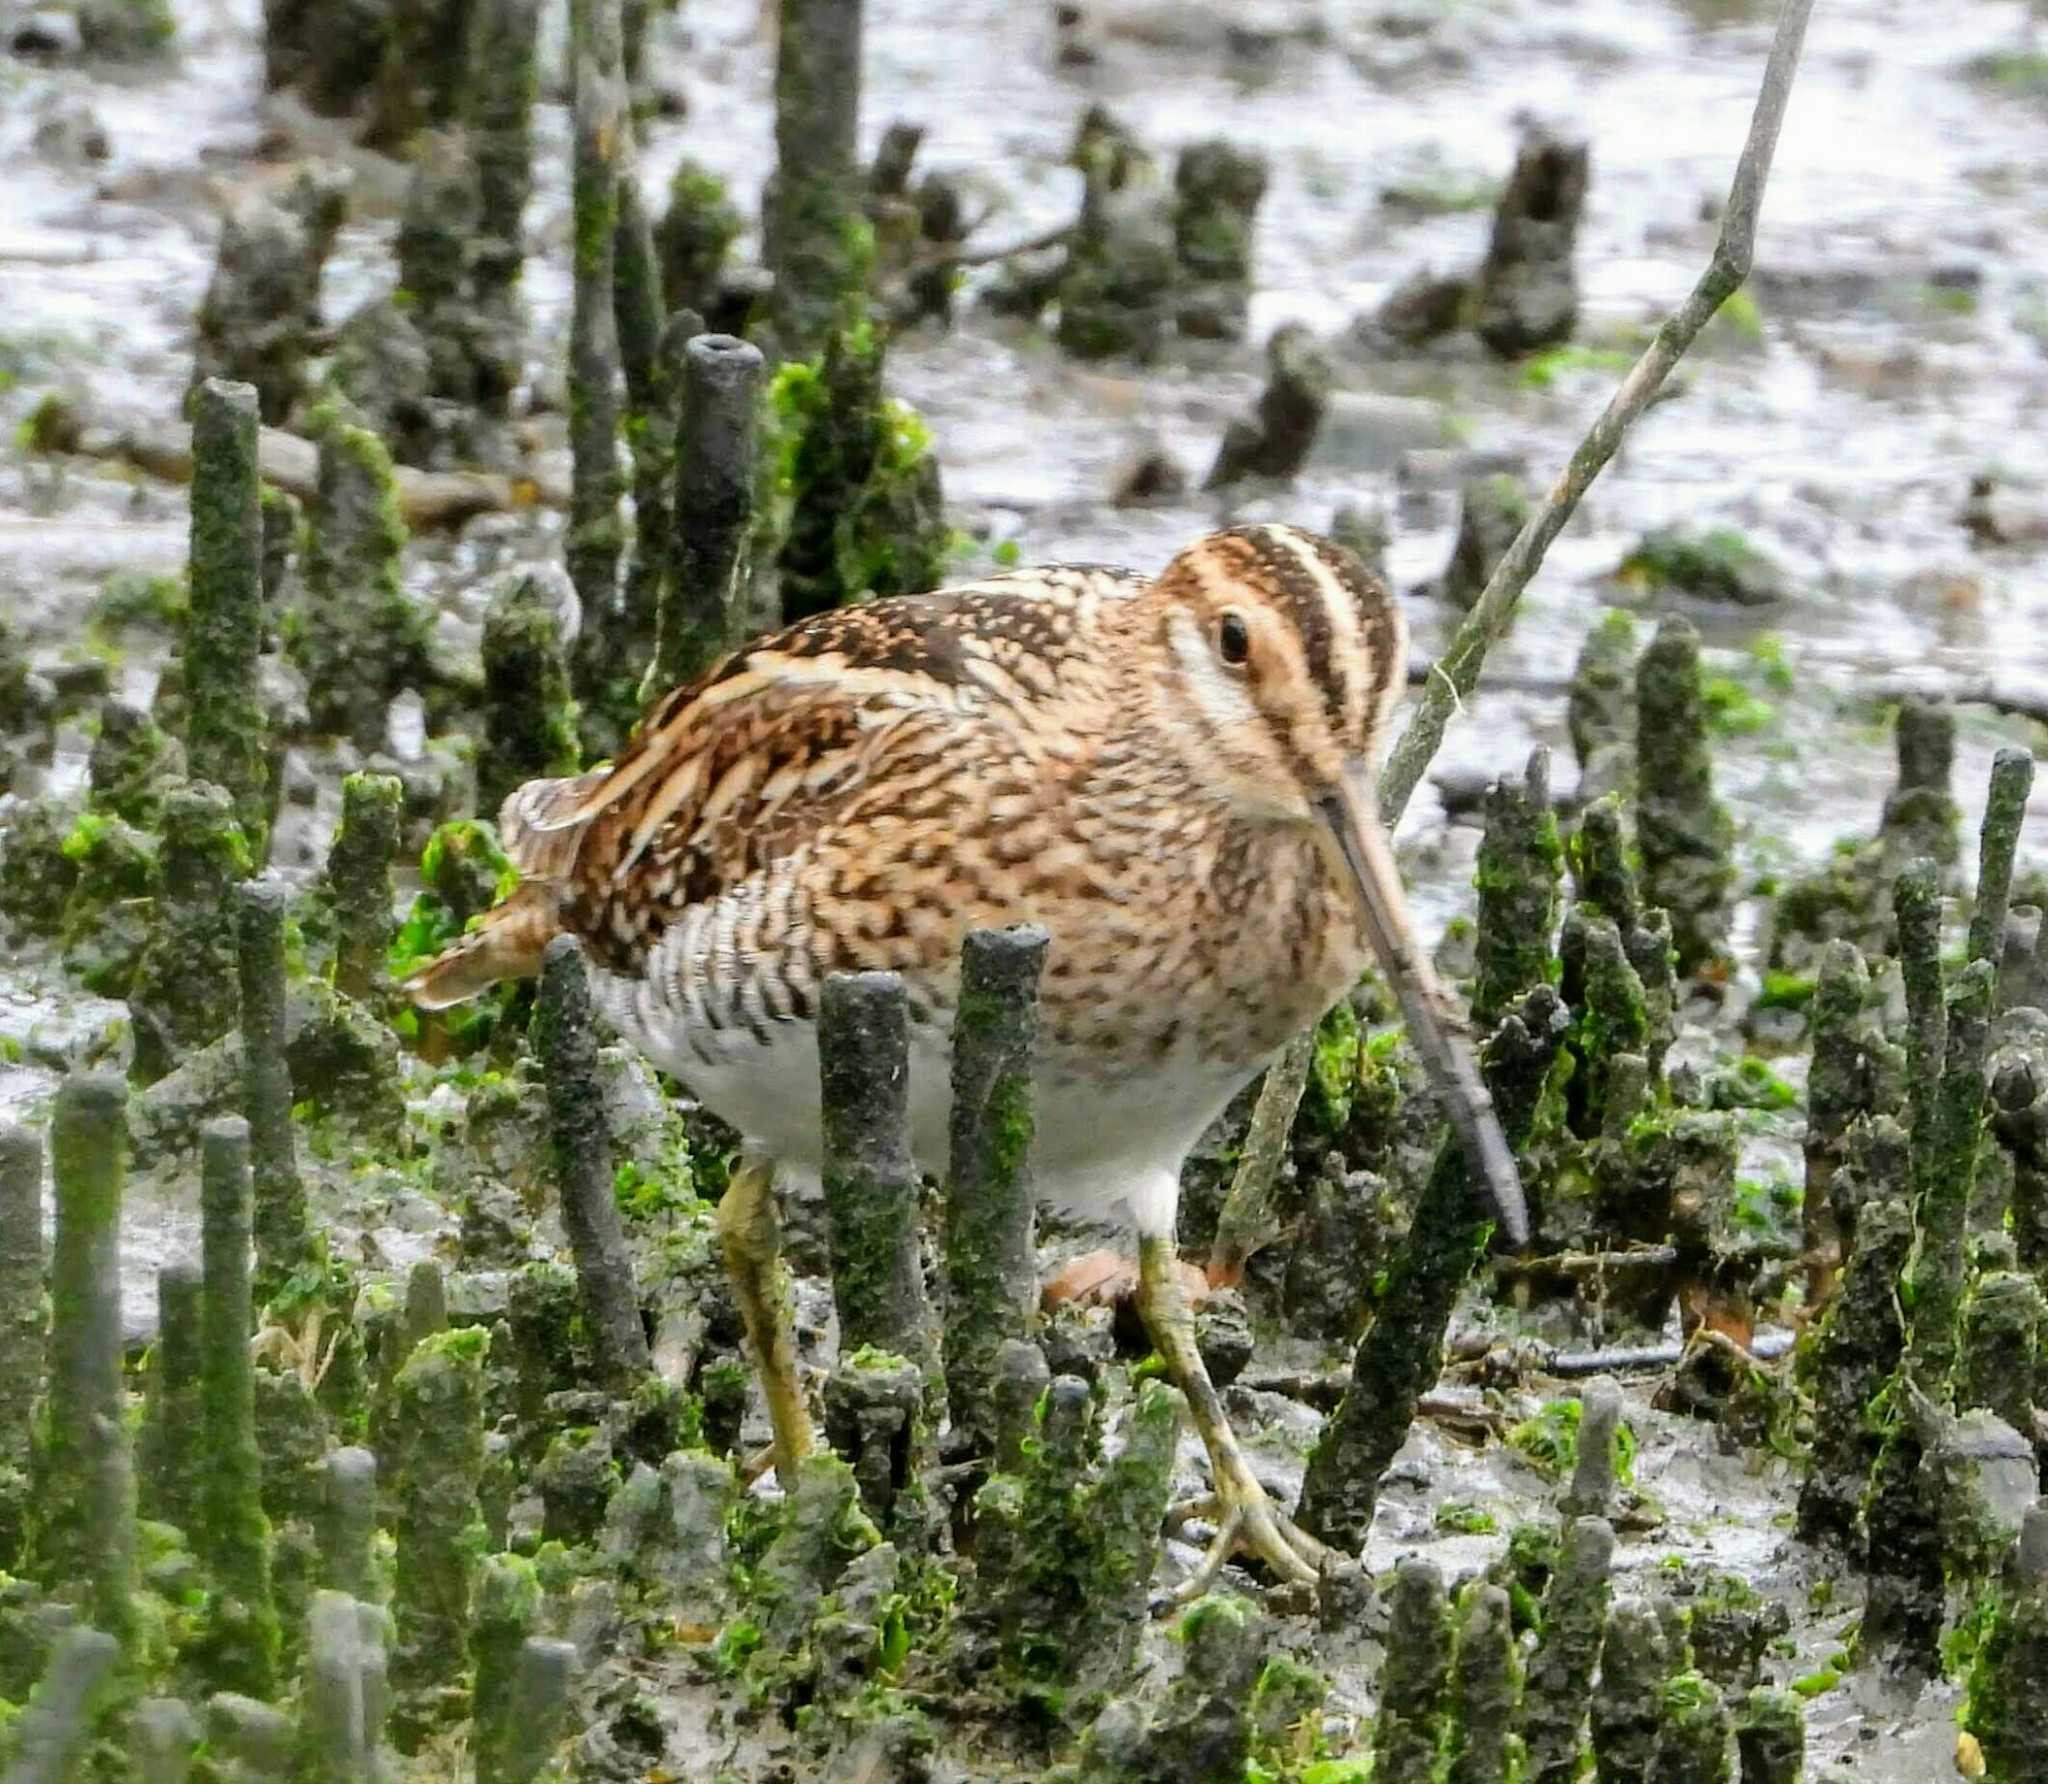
[1352, 814]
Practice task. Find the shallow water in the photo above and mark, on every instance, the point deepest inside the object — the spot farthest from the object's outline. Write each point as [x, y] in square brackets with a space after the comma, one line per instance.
[1841, 439]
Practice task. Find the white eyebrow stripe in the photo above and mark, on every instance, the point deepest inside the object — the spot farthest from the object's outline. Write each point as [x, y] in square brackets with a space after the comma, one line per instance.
[1375, 631]
[1224, 700]
[1343, 625]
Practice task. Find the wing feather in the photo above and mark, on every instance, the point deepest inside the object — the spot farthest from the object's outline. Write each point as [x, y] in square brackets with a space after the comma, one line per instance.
[744, 766]
[538, 825]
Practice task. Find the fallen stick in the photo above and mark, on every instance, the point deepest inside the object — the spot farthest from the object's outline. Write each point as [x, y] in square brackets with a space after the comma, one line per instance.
[1976, 690]
[1576, 1264]
[964, 255]
[1323, 1388]
[429, 500]
[1625, 1359]
[48, 256]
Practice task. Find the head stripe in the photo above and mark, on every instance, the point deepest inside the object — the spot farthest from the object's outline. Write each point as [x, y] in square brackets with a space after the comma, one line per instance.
[1329, 618]
[1341, 631]
[1386, 636]
[1326, 613]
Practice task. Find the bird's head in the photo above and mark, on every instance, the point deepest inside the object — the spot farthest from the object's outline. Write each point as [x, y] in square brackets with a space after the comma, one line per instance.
[1282, 658]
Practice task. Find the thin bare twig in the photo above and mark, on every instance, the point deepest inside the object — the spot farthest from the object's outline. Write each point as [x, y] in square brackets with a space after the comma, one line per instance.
[1726, 269]
[1456, 671]
[1422, 670]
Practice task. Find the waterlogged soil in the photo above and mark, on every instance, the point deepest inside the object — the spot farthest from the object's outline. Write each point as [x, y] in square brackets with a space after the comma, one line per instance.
[1892, 349]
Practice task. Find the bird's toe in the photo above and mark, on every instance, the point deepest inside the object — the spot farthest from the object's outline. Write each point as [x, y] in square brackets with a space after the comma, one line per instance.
[1107, 1278]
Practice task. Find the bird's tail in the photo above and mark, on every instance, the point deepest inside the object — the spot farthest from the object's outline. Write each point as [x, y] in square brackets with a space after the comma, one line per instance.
[507, 943]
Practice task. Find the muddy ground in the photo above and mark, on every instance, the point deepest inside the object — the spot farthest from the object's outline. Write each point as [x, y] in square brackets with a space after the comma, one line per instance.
[1894, 348]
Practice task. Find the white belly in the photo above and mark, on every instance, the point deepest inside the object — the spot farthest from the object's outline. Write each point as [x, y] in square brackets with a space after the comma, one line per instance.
[1108, 1145]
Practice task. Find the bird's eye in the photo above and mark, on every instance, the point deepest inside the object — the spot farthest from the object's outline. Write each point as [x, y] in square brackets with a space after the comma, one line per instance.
[1233, 640]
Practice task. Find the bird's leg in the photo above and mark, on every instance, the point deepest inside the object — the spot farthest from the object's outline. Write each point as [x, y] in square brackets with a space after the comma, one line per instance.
[1246, 1516]
[746, 1225]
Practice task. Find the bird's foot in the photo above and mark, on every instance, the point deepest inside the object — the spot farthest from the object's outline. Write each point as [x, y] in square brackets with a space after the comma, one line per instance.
[1248, 1520]
[1106, 1277]
[746, 1223]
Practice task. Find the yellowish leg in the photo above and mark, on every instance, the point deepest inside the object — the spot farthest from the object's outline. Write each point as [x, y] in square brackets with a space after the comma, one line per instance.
[746, 1225]
[1246, 1516]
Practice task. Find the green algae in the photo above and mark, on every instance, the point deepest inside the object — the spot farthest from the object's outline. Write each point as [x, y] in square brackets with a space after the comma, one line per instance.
[1517, 878]
[854, 501]
[357, 636]
[1065, 1548]
[530, 715]
[1685, 835]
[185, 989]
[1414, 1708]
[227, 732]
[82, 1536]
[231, 1534]
[1719, 564]
[435, 1437]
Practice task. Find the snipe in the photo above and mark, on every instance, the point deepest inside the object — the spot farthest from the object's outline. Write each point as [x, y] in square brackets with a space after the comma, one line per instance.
[1174, 775]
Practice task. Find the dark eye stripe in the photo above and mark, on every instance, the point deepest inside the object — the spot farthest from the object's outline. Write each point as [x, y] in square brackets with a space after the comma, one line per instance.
[1286, 559]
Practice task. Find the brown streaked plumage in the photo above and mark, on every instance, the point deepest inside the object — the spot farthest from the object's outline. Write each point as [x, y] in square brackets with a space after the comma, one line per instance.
[1172, 774]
